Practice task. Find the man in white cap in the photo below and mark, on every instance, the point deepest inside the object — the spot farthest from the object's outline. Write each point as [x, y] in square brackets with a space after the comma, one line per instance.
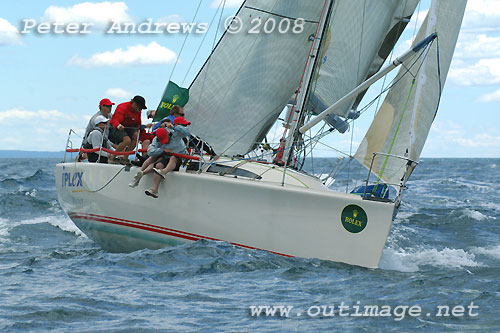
[98, 138]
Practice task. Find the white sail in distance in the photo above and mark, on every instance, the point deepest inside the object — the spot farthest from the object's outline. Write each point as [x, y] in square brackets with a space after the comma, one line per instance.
[403, 122]
[359, 38]
[250, 77]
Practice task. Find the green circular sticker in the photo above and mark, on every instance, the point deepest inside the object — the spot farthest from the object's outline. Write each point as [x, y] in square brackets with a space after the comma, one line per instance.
[354, 218]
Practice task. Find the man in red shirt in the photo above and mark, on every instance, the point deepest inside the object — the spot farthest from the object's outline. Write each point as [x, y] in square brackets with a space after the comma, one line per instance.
[125, 124]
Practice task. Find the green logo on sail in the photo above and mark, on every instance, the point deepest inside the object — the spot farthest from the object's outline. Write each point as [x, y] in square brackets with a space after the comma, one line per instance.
[354, 218]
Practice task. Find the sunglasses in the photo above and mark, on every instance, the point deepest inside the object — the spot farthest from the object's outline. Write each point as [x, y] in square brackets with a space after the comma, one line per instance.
[180, 114]
[107, 105]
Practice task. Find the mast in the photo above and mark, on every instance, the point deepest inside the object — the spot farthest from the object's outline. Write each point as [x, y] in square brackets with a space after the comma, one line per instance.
[297, 111]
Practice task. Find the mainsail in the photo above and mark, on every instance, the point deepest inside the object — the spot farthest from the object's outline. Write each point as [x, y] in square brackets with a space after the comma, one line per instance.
[360, 36]
[403, 122]
[250, 77]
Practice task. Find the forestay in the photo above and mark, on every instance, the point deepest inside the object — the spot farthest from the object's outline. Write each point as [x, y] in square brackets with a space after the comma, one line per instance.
[249, 78]
[360, 36]
[401, 130]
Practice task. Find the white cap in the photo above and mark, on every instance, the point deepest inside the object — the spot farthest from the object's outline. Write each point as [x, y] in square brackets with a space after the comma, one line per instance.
[100, 119]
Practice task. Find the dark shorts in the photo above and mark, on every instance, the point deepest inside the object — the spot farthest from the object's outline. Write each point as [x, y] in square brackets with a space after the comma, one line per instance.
[165, 158]
[116, 136]
[93, 157]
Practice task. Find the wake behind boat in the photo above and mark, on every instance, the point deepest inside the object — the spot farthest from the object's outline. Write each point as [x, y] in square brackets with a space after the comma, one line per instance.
[275, 206]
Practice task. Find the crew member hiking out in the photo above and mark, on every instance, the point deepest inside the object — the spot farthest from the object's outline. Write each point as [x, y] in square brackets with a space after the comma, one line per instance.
[125, 124]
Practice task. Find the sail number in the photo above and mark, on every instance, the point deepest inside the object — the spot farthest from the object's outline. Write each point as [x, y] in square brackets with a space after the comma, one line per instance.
[282, 26]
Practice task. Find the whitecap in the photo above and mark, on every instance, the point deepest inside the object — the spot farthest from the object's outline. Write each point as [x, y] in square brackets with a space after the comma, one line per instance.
[401, 260]
[493, 166]
[31, 193]
[490, 251]
[491, 205]
[474, 214]
[65, 224]
[396, 261]
[61, 222]
[404, 216]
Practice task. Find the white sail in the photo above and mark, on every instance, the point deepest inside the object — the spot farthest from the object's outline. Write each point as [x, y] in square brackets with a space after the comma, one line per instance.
[249, 78]
[359, 38]
[402, 130]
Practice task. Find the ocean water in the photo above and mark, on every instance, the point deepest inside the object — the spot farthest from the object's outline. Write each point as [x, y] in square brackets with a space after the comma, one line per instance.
[443, 251]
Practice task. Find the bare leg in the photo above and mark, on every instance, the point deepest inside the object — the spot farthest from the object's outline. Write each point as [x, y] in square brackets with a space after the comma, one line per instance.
[123, 144]
[133, 140]
[148, 165]
[157, 178]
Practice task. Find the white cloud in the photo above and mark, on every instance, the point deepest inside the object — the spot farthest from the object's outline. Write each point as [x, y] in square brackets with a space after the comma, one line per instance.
[18, 114]
[49, 126]
[482, 15]
[101, 13]
[118, 93]
[477, 46]
[450, 138]
[477, 55]
[228, 4]
[482, 72]
[491, 97]
[9, 35]
[151, 54]
[480, 141]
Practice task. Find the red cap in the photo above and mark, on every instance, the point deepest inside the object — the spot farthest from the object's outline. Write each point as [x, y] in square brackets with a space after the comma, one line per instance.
[162, 135]
[105, 101]
[181, 121]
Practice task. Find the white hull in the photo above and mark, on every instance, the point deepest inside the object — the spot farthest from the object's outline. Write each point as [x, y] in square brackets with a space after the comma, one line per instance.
[302, 218]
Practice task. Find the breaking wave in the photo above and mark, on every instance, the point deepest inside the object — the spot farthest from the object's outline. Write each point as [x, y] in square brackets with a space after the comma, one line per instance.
[414, 260]
[490, 251]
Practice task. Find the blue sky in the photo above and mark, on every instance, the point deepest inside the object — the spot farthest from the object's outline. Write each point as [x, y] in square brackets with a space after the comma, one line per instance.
[53, 82]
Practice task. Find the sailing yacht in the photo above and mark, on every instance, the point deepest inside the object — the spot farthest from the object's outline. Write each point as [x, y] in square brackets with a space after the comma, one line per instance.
[319, 73]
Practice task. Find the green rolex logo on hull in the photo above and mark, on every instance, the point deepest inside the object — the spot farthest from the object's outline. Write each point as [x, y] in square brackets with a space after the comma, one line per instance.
[354, 218]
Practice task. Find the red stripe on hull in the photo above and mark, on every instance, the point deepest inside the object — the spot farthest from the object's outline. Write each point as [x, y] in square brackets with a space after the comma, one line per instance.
[157, 229]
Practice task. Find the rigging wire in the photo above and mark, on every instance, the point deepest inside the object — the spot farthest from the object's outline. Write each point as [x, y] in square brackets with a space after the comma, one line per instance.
[439, 76]
[395, 81]
[201, 44]
[396, 37]
[318, 136]
[183, 43]
[426, 50]
[357, 78]
[315, 139]
[266, 116]
[209, 59]
[302, 110]
[395, 134]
